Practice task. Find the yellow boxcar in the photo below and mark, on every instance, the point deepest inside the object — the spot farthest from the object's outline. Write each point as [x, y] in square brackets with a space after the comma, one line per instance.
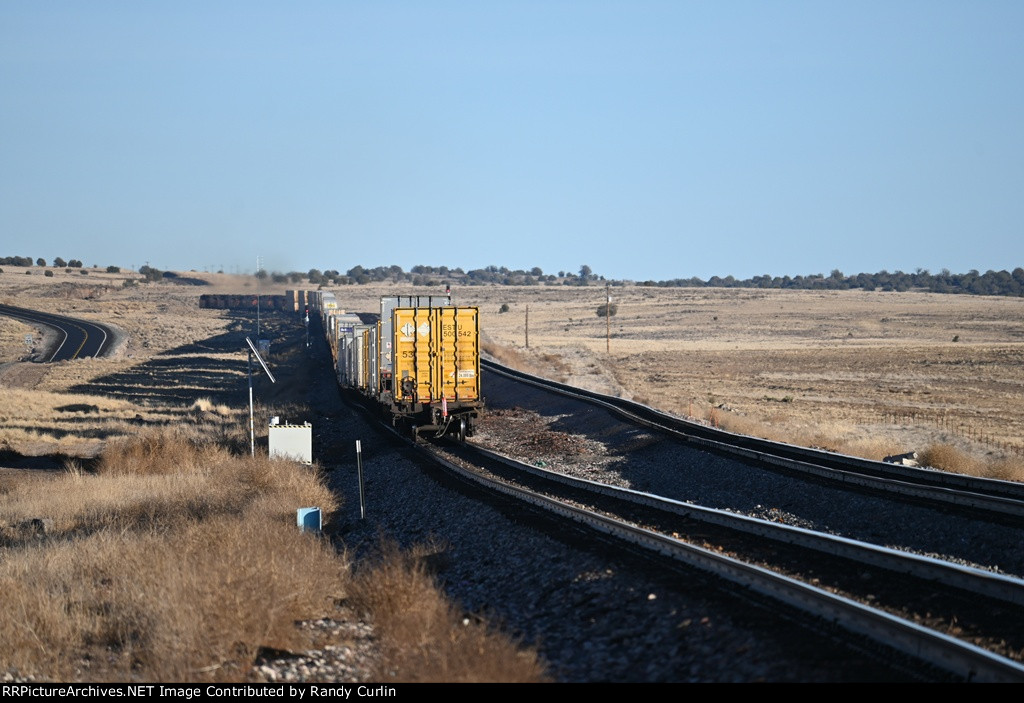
[437, 367]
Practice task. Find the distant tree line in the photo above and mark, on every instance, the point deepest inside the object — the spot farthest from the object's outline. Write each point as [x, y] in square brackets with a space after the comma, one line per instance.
[28, 261]
[972, 282]
[1008, 283]
[436, 276]
[16, 261]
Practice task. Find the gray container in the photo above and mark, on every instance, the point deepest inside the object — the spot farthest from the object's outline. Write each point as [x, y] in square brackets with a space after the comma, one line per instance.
[387, 307]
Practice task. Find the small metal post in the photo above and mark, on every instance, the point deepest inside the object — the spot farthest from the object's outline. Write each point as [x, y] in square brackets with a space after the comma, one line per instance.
[359, 471]
[527, 326]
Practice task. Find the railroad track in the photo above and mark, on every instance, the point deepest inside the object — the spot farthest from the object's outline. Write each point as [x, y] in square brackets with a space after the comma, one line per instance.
[868, 590]
[1001, 501]
[77, 339]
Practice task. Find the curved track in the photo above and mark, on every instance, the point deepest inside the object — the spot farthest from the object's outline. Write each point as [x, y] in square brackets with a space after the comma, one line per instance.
[820, 574]
[990, 499]
[78, 339]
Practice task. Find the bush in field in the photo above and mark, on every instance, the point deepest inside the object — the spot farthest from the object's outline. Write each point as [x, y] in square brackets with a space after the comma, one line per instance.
[608, 310]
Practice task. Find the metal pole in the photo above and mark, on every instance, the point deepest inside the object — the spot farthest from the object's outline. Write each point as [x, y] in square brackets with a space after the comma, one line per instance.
[527, 326]
[608, 318]
[359, 470]
[252, 426]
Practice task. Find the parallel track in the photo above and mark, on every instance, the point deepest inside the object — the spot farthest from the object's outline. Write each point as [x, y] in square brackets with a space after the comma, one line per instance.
[993, 500]
[661, 537]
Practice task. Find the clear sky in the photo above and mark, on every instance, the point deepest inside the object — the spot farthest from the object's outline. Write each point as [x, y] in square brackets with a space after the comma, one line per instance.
[649, 140]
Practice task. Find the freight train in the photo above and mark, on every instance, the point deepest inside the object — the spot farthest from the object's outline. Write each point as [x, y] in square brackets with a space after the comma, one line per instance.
[417, 362]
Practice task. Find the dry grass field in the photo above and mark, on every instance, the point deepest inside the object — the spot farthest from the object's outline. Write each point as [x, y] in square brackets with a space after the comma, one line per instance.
[171, 562]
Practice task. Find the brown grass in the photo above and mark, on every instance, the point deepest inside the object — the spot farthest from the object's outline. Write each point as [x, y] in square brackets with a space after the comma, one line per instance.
[536, 362]
[186, 604]
[176, 561]
[831, 436]
[12, 338]
[948, 458]
[425, 639]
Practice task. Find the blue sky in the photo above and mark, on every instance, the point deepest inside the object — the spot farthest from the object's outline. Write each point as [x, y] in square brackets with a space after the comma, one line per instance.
[649, 140]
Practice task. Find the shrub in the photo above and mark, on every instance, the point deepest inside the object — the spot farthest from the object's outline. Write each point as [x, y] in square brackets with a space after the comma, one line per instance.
[504, 307]
[607, 309]
[948, 458]
[48, 273]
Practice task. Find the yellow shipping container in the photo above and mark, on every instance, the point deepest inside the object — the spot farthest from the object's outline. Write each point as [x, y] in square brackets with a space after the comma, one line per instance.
[437, 355]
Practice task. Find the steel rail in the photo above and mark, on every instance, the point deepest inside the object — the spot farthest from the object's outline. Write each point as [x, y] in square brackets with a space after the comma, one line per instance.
[962, 659]
[971, 579]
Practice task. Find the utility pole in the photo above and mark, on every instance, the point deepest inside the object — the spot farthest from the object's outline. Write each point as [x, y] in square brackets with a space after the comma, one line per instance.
[527, 326]
[257, 300]
[607, 318]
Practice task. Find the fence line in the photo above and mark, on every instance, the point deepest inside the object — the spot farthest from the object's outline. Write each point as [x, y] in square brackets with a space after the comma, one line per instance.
[955, 426]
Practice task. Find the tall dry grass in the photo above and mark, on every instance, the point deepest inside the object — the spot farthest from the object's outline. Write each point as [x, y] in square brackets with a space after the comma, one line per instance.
[176, 561]
[846, 440]
[832, 437]
[182, 604]
[948, 458]
[424, 638]
[536, 362]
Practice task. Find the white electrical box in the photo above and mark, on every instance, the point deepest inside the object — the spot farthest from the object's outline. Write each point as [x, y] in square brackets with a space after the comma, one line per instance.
[293, 442]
